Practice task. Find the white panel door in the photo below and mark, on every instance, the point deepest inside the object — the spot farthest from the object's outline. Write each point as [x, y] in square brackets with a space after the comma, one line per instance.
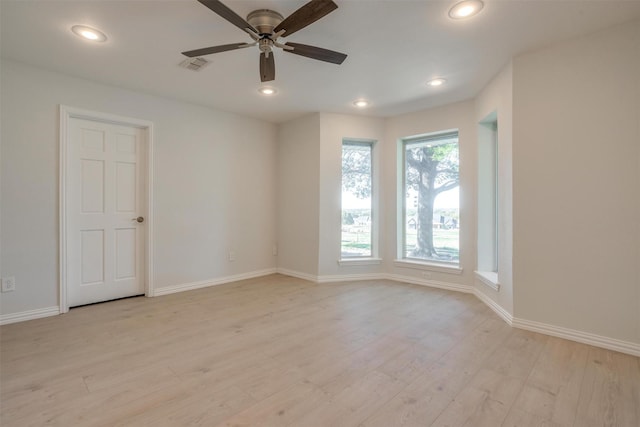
[105, 198]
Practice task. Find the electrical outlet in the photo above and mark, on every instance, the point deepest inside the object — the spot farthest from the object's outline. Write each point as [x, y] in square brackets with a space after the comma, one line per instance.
[8, 284]
[426, 274]
[232, 256]
[274, 250]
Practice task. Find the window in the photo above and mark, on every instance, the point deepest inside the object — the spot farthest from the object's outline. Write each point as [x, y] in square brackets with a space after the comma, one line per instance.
[357, 207]
[488, 194]
[430, 188]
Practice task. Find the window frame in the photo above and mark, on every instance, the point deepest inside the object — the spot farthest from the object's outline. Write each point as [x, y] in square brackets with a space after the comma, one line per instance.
[488, 182]
[442, 266]
[373, 258]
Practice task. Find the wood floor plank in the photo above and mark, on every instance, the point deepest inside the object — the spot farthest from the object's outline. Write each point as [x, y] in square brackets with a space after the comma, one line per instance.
[430, 393]
[336, 375]
[282, 408]
[353, 404]
[518, 354]
[484, 402]
[521, 418]
[200, 405]
[610, 393]
[553, 388]
[281, 351]
[17, 403]
[415, 406]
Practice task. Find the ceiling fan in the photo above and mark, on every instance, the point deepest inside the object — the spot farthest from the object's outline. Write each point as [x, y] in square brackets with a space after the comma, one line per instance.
[266, 26]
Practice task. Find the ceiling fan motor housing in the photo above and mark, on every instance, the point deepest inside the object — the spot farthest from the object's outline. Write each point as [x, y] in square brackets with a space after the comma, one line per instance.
[264, 20]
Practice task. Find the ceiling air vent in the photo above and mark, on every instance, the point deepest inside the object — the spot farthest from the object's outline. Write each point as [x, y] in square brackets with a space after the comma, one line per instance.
[194, 64]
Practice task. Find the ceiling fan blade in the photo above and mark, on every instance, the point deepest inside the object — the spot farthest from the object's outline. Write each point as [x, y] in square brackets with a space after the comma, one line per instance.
[316, 53]
[306, 15]
[267, 67]
[228, 14]
[215, 49]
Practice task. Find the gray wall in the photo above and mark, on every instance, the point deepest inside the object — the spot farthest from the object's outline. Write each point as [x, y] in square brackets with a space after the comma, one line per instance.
[214, 184]
[576, 183]
[569, 118]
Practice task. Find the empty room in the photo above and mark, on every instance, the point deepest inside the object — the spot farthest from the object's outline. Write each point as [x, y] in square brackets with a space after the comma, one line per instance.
[367, 213]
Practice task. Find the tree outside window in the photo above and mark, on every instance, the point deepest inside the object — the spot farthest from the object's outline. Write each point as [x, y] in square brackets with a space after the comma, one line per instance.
[431, 206]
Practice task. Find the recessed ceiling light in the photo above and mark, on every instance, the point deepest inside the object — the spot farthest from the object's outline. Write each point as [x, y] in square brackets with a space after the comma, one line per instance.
[465, 9]
[89, 33]
[267, 90]
[436, 82]
[361, 103]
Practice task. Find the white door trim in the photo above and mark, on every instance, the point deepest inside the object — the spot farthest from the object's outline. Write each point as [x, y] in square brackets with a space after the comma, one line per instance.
[66, 114]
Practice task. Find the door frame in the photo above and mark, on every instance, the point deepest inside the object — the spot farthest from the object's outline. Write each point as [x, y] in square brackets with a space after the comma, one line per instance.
[66, 114]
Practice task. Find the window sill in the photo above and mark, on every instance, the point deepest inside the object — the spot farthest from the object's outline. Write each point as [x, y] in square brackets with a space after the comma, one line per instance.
[359, 261]
[489, 278]
[429, 266]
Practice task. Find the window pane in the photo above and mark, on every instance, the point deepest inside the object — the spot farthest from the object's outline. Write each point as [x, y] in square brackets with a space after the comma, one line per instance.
[487, 185]
[357, 217]
[431, 206]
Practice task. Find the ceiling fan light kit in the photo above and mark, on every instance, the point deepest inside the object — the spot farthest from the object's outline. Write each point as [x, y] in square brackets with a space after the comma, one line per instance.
[266, 26]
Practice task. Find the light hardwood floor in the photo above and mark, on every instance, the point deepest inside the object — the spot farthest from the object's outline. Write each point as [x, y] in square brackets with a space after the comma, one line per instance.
[279, 351]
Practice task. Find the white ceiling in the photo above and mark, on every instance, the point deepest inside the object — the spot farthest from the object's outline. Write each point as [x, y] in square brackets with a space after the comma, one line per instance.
[394, 47]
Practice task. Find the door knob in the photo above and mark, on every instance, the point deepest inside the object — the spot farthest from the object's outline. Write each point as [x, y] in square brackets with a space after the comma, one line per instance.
[139, 219]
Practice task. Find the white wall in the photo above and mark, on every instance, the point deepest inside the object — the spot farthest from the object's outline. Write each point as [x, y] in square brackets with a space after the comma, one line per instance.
[498, 96]
[459, 116]
[214, 184]
[298, 164]
[333, 129]
[576, 170]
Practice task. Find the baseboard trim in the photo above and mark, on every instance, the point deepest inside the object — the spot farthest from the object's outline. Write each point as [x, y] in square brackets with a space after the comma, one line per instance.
[212, 282]
[23, 316]
[431, 283]
[297, 274]
[350, 277]
[626, 347]
[621, 346]
[497, 308]
[331, 278]
[377, 276]
[489, 279]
